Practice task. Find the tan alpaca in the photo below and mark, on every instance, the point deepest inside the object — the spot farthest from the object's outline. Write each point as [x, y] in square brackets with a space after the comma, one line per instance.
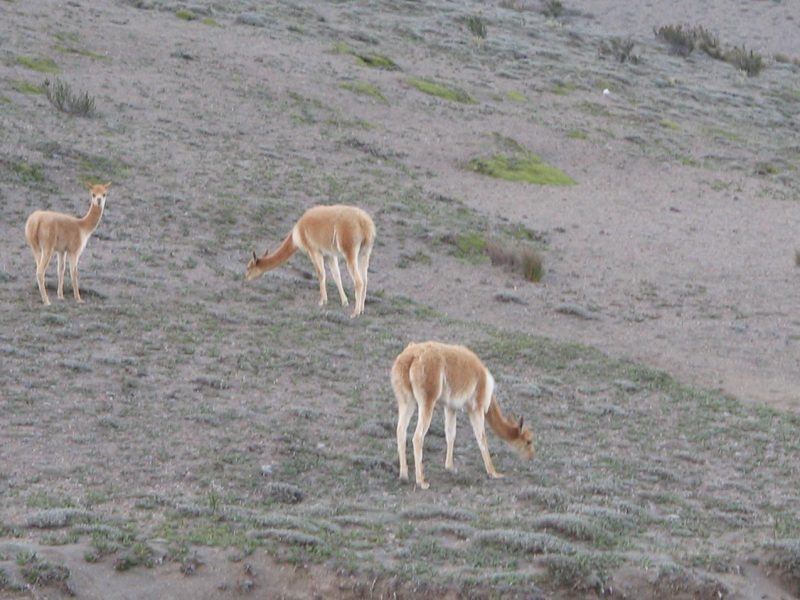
[47, 232]
[430, 371]
[327, 232]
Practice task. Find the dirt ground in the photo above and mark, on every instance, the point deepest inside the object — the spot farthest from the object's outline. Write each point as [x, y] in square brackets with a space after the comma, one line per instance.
[185, 434]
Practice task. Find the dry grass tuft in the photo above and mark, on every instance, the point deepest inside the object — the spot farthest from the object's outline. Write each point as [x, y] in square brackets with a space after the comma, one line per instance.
[519, 258]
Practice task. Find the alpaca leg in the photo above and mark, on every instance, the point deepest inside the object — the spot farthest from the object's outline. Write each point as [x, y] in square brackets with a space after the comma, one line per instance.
[352, 267]
[405, 410]
[41, 269]
[62, 263]
[423, 424]
[73, 276]
[450, 435]
[363, 264]
[333, 264]
[319, 267]
[478, 427]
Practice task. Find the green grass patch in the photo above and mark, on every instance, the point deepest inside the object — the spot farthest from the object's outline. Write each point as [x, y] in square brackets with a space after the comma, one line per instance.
[668, 124]
[563, 89]
[527, 169]
[27, 174]
[25, 87]
[577, 134]
[5, 100]
[210, 22]
[70, 43]
[365, 89]
[376, 61]
[41, 65]
[97, 169]
[516, 96]
[185, 15]
[442, 91]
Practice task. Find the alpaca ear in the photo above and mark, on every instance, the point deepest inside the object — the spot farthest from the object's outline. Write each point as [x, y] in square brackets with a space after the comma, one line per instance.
[520, 422]
[254, 255]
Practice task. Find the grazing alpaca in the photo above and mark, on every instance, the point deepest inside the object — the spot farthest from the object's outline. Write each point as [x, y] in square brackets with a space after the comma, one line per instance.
[327, 231]
[430, 371]
[47, 232]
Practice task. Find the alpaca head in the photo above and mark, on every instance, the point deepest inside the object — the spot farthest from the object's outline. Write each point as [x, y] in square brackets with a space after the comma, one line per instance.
[523, 444]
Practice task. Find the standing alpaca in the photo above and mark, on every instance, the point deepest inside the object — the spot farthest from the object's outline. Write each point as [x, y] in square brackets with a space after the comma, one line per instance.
[425, 373]
[47, 232]
[327, 231]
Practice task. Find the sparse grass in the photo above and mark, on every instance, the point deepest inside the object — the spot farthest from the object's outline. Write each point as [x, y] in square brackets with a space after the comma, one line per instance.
[620, 50]
[64, 99]
[185, 15]
[527, 169]
[40, 65]
[577, 134]
[441, 91]
[552, 8]
[467, 246]
[681, 39]
[522, 259]
[516, 96]
[563, 89]
[748, 61]
[140, 554]
[27, 174]
[669, 124]
[374, 60]
[25, 87]
[365, 89]
[69, 43]
[476, 26]
[211, 22]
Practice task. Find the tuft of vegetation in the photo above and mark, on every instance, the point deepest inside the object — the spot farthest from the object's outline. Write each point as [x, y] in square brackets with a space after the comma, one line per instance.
[376, 61]
[467, 246]
[519, 258]
[42, 65]
[563, 89]
[749, 62]
[577, 134]
[442, 91]
[680, 38]
[27, 173]
[64, 99]
[620, 49]
[185, 15]
[365, 89]
[477, 26]
[527, 169]
[552, 8]
[210, 22]
[24, 87]
[516, 96]
[683, 39]
[140, 554]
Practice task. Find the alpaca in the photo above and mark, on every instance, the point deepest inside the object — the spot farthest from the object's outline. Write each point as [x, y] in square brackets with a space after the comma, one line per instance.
[47, 232]
[427, 372]
[327, 231]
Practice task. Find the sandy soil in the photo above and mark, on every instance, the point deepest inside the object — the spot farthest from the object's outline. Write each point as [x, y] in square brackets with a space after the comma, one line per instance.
[675, 250]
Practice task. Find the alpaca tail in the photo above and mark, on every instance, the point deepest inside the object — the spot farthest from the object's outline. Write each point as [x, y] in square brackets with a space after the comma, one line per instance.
[500, 424]
[279, 256]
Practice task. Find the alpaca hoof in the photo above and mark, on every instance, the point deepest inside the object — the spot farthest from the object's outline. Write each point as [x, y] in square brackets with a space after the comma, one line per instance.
[423, 485]
[496, 475]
